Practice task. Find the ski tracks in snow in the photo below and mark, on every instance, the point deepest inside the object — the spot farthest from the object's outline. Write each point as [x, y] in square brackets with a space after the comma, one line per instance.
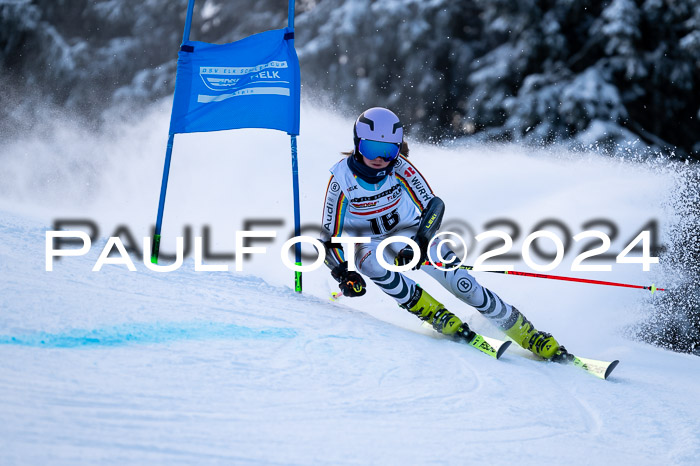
[197, 367]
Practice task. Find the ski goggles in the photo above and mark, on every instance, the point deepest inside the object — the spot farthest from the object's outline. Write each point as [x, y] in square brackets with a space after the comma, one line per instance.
[373, 149]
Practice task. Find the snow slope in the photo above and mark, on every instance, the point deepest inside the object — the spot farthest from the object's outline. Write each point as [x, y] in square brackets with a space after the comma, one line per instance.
[234, 367]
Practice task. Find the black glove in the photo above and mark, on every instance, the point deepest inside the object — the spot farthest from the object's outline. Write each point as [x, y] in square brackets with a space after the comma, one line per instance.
[406, 255]
[351, 284]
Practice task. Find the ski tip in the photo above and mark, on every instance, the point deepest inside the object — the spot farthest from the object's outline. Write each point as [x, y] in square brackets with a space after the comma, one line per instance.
[502, 349]
[610, 368]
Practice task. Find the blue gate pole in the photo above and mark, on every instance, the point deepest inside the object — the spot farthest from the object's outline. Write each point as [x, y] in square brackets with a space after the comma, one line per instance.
[295, 176]
[290, 15]
[155, 248]
[297, 222]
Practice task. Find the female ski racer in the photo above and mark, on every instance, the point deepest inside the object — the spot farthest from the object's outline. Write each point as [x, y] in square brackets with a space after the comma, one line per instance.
[376, 192]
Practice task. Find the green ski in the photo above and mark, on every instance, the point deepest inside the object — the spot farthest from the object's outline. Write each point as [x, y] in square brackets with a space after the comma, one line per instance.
[600, 369]
[491, 346]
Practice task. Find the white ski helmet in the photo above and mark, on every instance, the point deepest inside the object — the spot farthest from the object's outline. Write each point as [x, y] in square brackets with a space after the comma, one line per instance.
[378, 124]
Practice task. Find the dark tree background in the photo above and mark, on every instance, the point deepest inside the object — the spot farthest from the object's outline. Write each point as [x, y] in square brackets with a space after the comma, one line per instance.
[582, 71]
[82, 57]
[587, 73]
[673, 319]
[610, 75]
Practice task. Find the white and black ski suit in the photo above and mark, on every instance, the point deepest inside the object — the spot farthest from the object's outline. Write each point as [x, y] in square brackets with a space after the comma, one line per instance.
[393, 207]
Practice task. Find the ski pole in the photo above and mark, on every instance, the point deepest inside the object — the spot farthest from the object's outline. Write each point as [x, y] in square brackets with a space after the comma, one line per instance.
[337, 295]
[651, 288]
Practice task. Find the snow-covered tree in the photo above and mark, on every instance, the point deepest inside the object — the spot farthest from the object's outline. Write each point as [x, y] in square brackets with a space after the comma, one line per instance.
[536, 71]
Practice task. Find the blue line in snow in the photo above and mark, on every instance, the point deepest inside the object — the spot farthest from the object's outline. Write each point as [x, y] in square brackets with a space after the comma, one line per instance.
[143, 333]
